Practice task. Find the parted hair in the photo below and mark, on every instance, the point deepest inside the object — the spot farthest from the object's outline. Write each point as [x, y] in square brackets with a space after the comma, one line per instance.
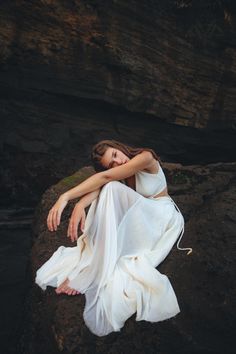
[100, 148]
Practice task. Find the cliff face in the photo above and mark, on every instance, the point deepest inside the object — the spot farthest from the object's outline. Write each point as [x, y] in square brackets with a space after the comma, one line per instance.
[125, 53]
[74, 72]
[203, 281]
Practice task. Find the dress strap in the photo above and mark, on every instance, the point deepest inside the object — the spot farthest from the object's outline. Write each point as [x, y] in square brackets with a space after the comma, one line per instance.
[181, 235]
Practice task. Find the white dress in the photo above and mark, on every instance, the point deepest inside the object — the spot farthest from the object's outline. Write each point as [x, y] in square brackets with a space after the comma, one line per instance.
[127, 235]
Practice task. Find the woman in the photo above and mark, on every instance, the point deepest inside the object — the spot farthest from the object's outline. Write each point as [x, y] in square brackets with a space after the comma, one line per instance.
[129, 229]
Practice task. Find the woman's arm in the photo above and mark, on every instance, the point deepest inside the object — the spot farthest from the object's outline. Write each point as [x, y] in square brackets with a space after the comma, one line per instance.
[137, 163]
[78, 215]
[87, 199]
[54, 215]
[91, 184]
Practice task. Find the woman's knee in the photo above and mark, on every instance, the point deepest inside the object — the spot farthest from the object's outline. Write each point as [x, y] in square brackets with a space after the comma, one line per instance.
[112, 185]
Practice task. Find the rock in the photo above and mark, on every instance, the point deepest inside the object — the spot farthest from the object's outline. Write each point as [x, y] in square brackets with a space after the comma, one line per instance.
[203, 281]
[20, 218]
[79, 71]
[132, 55]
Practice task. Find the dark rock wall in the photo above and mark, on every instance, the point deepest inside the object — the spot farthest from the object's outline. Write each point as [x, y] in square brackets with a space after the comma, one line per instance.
[73, 72]
[121, 52]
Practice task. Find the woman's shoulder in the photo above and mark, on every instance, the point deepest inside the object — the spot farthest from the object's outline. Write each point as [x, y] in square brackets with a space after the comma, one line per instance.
[147, 154]
[152, 164]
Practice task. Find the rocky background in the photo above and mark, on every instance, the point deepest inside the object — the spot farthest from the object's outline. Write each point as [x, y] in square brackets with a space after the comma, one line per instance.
[75, 71]
[156, 73]
[204, 281]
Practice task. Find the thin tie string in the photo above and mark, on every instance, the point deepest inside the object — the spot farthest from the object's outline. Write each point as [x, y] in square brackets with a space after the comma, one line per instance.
[190, 250]
[183, 248]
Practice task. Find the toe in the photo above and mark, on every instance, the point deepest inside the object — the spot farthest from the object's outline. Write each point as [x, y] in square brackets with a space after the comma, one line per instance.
[58, 290]
[70, 292]
[67, 290]
[64, 288]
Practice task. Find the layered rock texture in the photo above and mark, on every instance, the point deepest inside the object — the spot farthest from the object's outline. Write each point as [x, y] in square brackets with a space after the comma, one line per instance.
[204, 281]
[73, 72]
[125, 53]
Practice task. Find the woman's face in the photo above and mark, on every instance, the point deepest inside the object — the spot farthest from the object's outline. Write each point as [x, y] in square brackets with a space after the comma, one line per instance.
[113, 157]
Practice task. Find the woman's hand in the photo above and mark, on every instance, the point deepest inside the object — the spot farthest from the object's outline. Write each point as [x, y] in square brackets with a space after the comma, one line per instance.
[78, 216]
[54, 215]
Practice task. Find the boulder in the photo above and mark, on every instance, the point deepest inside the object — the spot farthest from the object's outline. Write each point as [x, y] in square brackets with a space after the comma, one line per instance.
[203, 281]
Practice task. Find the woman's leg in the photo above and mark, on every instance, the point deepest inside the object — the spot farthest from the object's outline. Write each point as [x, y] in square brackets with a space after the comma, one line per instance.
[64, 288]
[101, 226]
[103, 219]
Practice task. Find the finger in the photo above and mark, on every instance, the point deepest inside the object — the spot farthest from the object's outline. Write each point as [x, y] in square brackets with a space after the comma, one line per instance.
[82, 223]
[75, 230]
[71, 231]
[54, 220]
[58, 218]
[50, 220]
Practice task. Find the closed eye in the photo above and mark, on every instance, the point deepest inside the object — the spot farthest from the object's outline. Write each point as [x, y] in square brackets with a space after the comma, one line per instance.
[112, 162]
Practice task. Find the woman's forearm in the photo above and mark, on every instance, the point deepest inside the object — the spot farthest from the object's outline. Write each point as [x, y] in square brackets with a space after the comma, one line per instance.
[87, 199]
[91, 184]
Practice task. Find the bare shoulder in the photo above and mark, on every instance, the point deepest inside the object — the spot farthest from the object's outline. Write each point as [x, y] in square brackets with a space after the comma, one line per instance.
[148, 155]
[151, 162]
[145, 160]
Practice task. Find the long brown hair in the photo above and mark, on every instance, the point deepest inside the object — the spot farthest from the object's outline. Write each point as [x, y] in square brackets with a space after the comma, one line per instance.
[100, 148]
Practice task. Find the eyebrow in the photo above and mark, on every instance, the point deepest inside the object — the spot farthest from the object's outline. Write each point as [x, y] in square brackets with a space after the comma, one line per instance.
[109, 166]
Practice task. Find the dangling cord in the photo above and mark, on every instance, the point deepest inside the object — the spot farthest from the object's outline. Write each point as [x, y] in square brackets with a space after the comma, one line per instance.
[183, 249]
[181, 235]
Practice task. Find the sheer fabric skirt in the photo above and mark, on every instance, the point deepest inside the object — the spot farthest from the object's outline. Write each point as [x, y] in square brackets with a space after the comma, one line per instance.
[126, 236]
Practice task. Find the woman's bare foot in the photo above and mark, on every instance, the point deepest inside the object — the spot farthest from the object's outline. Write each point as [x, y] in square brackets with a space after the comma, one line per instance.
[65, 289]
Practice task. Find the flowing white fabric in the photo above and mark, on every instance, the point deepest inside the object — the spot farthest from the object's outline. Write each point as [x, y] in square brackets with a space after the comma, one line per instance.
[126, 236]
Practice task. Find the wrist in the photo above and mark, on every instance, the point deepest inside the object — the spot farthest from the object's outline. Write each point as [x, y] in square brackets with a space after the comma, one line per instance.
[64, 197]
[81, 203]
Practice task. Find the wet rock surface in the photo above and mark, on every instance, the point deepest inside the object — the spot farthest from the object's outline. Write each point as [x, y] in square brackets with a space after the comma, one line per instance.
[203, 281]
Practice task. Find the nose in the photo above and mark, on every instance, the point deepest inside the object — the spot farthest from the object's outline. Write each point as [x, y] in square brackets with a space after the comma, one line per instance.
[117, 161]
